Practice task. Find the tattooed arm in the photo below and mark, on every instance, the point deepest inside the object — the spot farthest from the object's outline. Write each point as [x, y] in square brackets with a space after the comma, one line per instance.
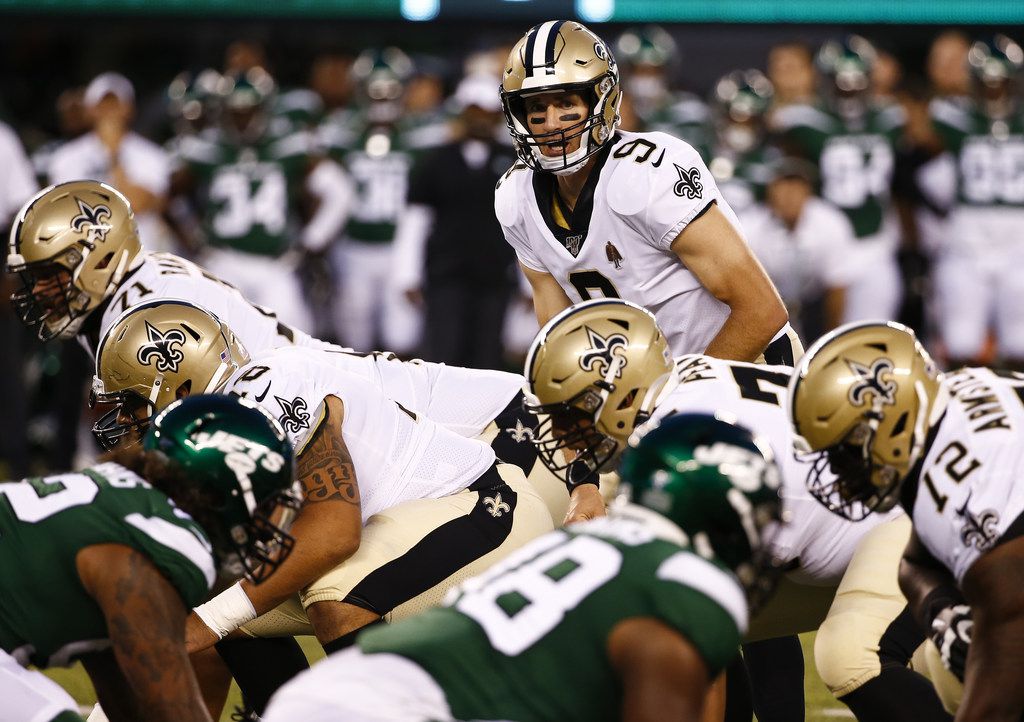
[148, 675]
[328, 527]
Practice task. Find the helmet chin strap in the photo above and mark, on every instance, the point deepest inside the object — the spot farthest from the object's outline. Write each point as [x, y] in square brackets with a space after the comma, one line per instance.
[568, 163]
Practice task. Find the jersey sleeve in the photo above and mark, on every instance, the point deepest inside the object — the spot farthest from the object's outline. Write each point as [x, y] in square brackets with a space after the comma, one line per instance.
[657, 197]
[705, 604]
[507, 209]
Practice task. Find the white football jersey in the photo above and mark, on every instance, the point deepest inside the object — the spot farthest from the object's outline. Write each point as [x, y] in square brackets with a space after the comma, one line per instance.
[639, 198]
[398, 455]
[969, 488]
[166, 276]
[754, 396]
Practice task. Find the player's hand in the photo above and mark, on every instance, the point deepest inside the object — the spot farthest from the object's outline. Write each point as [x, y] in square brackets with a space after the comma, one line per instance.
[197, 635]
[585, 503]
[951, 632]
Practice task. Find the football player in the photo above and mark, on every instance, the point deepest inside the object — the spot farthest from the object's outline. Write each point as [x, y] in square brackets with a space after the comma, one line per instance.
[103, 564]
[592, 211]
[601, 370]
[247, 179]
[626, 617]
[850, 137]
[408, 507]
[868, 401]
[975, 275]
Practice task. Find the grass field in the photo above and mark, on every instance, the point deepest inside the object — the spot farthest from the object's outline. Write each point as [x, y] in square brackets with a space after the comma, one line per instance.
[821, 707]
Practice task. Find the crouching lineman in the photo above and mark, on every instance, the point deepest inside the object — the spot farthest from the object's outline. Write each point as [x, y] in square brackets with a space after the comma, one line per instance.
[100, 565]
[869, 402]
[601, 369]
[81, 264]
[616, 618]
[397, 508]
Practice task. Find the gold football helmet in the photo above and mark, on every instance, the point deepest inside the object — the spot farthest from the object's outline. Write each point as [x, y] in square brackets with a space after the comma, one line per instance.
[594, 371]
[156, 353]
[861, 400]
[71, 244]
[561, 55]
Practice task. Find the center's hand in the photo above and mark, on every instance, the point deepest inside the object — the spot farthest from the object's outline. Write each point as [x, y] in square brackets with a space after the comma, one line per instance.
[197, 635]
[585, 503]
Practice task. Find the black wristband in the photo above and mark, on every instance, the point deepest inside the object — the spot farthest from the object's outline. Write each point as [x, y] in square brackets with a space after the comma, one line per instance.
[942, 597]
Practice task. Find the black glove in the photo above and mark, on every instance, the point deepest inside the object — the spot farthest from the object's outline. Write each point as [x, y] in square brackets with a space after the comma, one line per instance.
[951, 632]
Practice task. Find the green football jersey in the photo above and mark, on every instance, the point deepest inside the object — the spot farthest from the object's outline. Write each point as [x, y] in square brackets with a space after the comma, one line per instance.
[855, 161]
[743, 178]
[249, 193]
[378, 158]
[684, 115]
[527, 640]
[46, 616]
[989, 153]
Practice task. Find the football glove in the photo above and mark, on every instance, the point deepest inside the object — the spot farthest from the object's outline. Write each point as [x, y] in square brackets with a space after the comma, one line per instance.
[951, 632]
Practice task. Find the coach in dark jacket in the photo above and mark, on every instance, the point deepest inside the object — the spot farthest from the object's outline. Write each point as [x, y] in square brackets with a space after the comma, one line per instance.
[452, 256]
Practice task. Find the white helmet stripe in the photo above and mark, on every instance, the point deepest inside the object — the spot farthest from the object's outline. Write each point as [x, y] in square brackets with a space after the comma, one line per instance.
[543, 38]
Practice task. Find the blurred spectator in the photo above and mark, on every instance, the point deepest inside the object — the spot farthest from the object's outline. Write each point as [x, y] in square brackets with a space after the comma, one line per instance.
[977, 277]
[791, 71]
[376, 143]
[806, 245]
[947, 64]
[112, 152]
[243, 55]
[450, 252]
[740, 106]
[851, 139]
[247, 179]
[72, 121]
[647, 56]
[17, 184]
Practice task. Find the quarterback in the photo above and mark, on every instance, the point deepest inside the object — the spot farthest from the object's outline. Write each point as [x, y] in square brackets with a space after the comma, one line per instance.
[868, 401]
[596, 212]
[601, 370]
[625, 617]
[103, 564]
[410, 507]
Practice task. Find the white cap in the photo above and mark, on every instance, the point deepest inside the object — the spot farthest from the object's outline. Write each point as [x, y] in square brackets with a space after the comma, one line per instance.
[479, 90]
[109, 84]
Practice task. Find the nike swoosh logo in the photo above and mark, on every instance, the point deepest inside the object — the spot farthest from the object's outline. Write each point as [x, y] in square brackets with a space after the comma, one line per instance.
[259, 399]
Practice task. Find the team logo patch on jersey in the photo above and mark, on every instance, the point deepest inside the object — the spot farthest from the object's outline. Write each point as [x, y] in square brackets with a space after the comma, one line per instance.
[979, 530]
[296, 414]
[689, 183]
[90, 220]
[495, 506]
[161, 349]
[870, 381]
[520, 432]
[613, 255]
[603, 352]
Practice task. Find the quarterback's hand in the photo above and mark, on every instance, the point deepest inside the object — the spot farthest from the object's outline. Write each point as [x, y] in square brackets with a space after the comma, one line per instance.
[197, 635]
[951, 632]
[585, 503]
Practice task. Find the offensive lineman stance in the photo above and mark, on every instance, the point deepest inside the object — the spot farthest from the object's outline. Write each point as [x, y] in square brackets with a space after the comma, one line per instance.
[413, 508]
[100, 565]
[601, 369]
[626, 617]
[870, 403]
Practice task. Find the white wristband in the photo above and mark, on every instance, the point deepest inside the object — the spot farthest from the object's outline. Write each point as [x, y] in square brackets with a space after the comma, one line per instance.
[227, 611]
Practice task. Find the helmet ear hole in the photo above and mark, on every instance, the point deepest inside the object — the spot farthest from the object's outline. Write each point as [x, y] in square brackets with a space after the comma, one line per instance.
[105, 262]
[184, 390]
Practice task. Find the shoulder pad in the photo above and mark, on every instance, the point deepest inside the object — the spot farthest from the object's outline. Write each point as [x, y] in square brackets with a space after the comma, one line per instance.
[789, 117]
[506, 193]
[633, 164]
[949, 111]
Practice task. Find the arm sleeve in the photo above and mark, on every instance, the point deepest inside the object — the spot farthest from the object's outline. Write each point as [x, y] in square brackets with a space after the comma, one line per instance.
[332, 186]
[507, 212]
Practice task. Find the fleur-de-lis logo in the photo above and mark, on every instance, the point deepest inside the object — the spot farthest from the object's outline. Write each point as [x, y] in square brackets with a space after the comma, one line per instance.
[296, 414]
[603, 351]
[613, 255]
[689, 182]
[979, 530]
[495, 506]
[520, 432]
[90, 220]
[161, 349]
[869, 380]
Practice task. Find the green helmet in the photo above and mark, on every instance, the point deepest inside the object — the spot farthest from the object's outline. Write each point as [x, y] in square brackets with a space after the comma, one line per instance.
[246, 101]
[741, 102]
[716, 482]
[648, 45]
[192, 100]
[381, 76]
[236, 474]
[995, 60]
[845, 66]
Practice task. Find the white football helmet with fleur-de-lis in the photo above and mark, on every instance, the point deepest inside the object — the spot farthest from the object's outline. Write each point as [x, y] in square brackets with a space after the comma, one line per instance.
[593, 373]
[154, 354]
